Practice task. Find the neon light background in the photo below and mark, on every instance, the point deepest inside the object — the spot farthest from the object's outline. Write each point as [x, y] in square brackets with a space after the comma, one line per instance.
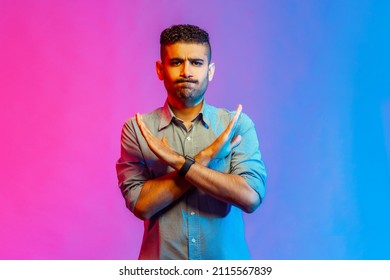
[314, 77]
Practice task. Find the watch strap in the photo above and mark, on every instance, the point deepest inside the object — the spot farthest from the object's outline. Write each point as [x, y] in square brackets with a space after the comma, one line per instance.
[189, 161]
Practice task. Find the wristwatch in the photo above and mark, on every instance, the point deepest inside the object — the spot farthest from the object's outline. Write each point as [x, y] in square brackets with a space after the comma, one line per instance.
[186, 166]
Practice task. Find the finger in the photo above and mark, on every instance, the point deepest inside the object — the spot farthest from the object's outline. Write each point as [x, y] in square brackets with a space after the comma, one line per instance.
[165, 141]
[140, 123]
[238, 112]
[144, 129]
[236, 141]
[237, 115]
[138, 118]
[234, 120]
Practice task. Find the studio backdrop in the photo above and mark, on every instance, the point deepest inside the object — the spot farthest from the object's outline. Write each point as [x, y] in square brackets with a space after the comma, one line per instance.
[313, 75]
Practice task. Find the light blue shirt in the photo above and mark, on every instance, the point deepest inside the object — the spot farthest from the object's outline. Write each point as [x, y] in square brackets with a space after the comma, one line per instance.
[197, 225]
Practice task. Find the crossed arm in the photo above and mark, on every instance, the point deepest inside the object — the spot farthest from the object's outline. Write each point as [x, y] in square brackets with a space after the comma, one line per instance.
[158, 193]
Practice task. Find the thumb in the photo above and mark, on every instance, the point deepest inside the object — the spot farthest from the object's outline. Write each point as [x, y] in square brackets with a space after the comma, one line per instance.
[164, 140]
[236, 141]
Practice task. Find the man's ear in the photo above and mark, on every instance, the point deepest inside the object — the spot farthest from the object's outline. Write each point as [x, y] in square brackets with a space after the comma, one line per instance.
[160, 70]
[211, 71]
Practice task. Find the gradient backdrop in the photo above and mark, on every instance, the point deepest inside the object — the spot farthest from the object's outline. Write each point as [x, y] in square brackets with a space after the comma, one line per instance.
[313, 75]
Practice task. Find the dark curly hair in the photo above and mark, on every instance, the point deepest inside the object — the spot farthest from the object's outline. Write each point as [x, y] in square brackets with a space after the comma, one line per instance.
[184, 33]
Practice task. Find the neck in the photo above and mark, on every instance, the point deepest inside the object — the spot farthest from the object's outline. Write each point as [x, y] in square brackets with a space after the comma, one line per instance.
[187, 114]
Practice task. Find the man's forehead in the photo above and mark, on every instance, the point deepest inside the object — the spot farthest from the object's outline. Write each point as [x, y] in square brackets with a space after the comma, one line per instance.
[184, 49]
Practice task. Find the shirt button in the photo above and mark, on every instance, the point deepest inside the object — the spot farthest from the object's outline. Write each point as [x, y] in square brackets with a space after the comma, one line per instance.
[193, 240]
[189, 138]
[192, 213]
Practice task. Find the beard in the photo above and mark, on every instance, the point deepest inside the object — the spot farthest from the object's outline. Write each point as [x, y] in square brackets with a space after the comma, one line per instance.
[189, 92]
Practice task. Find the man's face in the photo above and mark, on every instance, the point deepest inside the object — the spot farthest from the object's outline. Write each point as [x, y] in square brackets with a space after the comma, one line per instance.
[186, 71]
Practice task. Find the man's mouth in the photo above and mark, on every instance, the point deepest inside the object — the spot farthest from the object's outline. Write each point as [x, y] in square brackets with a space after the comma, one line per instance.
[182, 81]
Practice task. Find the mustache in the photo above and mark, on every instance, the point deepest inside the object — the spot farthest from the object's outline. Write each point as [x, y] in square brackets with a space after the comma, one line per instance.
[179, 81]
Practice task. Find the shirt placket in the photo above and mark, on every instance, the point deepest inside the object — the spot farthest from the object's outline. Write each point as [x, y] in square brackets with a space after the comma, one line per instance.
[194, 246]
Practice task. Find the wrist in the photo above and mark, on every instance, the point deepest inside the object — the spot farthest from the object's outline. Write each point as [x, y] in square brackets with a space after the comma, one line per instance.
[179, 161]
[204, 157]
[189, 161]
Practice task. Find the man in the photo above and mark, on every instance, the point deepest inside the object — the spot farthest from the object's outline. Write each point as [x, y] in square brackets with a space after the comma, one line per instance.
[188, 169]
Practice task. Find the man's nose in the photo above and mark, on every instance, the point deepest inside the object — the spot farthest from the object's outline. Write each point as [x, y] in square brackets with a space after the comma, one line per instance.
[186, 69]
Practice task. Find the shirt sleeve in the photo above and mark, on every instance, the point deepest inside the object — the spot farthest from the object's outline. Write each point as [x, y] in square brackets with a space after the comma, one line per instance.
[246, 157]
[131, 168]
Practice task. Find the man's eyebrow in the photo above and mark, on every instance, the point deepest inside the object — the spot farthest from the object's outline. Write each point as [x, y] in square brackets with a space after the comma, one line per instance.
[176, 59]
[190, 58]
[195, 59]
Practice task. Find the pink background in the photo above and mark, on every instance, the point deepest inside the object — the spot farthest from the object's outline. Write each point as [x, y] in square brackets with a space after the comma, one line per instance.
[313, 77]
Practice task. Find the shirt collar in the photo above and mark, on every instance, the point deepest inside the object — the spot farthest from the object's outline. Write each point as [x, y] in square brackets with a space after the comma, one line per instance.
[167, 115]
[205, 112]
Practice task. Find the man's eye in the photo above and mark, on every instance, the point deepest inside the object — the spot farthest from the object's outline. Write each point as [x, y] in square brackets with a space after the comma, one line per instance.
[197, 63]
[175, 63]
